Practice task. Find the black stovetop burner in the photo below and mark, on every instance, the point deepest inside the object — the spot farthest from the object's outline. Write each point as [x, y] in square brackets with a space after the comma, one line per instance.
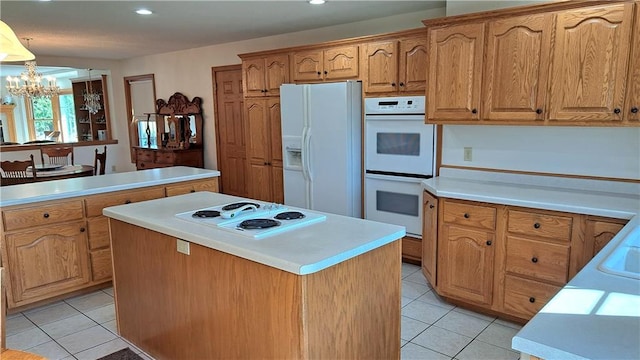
[206, 214]
[239, 205]
[258, 224]
[290, 215]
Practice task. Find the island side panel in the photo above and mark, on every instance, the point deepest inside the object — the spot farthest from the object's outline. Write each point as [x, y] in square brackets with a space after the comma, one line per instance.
[204, 305]
[353, 308]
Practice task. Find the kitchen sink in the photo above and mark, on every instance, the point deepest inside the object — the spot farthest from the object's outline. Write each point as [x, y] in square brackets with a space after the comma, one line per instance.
[624, 259]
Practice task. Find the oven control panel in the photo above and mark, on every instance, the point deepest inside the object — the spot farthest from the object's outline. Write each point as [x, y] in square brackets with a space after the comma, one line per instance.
[395, 105]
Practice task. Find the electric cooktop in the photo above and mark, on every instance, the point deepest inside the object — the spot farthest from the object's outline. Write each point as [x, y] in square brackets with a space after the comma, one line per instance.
[253, 219]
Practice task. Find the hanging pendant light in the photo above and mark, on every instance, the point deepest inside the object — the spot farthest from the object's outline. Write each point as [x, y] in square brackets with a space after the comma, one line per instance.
[91, 98]
[10, 47]
[29, 84]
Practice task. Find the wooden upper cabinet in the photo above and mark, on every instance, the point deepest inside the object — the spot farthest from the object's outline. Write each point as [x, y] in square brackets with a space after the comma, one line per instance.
[454, 72]
[263, 76]
[380, 65]
[590, 64]
[516, 68]
[632, 107]
[412, 74]
[326, 64]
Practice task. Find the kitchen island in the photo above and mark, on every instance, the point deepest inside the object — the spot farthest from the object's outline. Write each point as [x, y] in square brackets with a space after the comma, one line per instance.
[327, 290]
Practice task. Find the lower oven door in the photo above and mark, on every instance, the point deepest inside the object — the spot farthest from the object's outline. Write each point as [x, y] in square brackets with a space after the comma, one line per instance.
[394, 200]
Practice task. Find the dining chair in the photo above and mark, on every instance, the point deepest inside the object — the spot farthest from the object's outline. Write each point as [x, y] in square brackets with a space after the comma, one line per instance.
[57, 155]
[17, 172]
[102, 159]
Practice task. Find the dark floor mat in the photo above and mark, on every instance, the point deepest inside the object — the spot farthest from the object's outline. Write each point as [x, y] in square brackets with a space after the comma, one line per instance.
[124, 354]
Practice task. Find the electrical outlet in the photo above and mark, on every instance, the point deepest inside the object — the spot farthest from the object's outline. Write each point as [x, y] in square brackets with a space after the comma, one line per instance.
[468, 154]
[183, 247]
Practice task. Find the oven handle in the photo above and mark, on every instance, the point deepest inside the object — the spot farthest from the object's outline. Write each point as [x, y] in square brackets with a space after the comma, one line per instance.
[410, 179]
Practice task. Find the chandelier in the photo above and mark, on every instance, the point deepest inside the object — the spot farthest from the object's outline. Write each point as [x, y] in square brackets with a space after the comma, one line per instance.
[32, 86]
[91, 98]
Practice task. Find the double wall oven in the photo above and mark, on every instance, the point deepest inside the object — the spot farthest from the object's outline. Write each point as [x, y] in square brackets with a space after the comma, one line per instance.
[399, 154]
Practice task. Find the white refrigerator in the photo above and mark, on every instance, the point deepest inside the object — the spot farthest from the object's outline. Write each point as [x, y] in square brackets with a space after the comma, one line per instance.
[321, 145]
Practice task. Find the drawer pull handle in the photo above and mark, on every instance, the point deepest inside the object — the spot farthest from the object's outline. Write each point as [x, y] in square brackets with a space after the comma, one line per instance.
[532, 300]
[534, 259]
[46, 215]
[82, 229]
[193, 190]
[127, 201]
[466, 215]
[489, 243]
[536, 225]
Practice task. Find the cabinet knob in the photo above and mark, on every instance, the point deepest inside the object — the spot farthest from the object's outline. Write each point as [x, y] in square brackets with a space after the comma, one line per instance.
[536, 225]
[401, 84]
[82, 229]
[466, 215]
[393, 84]
[538, 111]
[534, 259]
[634, 110]
[326, 72]
[616, 110]
[474, 111]
[431, 206]
[319, 73]
[532, 299]
[127, 201]
[46, 215]
[489, 242]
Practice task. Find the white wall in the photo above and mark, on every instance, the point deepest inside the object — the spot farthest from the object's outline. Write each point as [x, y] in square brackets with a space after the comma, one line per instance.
[457, 7]
[189, 72]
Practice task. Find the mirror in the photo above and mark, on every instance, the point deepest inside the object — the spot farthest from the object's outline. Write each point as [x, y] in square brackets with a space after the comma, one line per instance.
[34, 119]
[140, 101]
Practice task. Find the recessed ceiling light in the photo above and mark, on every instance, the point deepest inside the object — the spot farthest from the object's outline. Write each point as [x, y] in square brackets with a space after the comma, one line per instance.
[316, 2]
[144, 12]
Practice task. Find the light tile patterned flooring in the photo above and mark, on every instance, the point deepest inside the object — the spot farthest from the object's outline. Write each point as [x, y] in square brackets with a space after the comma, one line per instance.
[84, 327]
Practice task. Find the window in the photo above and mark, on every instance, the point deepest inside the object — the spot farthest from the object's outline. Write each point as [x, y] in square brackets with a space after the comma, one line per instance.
[42, 121]
[52, 114]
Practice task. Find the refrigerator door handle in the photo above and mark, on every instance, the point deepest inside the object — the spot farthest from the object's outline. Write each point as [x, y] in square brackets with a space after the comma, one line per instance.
[305, 152]
[307, 147]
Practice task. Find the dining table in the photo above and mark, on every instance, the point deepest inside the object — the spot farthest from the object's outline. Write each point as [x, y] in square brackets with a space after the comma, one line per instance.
[49, 172]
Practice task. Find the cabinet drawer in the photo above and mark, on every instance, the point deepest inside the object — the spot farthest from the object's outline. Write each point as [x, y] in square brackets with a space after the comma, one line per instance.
[553, 227]
[536, 259]
[42, 215]
[145, 155]
[98, 232]
[483, 217]
[412, 248]
[165, 158]
[101, 265]
[524, 297]
[185, 188]
[95, 204]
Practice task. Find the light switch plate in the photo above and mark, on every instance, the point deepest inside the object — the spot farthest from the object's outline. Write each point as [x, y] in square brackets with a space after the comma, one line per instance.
[183, 246]
[468, 154]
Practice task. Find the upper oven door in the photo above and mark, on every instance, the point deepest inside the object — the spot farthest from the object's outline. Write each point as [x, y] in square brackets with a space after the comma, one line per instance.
[399, 144]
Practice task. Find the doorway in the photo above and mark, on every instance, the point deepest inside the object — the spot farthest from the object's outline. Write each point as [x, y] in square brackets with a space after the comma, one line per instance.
[230, 129]
[140, 97]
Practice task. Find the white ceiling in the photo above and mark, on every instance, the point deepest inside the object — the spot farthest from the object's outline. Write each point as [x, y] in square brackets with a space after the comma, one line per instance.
[112, 30]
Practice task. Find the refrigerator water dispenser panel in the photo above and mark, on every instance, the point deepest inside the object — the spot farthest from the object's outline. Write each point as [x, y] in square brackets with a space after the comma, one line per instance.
[292, 146]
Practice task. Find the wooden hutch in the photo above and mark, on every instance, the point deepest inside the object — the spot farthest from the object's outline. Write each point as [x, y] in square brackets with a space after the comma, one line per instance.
[180, 140]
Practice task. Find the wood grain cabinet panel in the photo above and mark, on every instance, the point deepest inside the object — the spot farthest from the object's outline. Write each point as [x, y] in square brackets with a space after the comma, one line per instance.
[192, 186]
[58, 252]
[632, 108]
[538, 260]
[589, 68]
[516, 68]
[101, 265]
[29, 217]
[326, 64]
[466, 214]
[455, 72]
[98, 228]
[430, 237]
[552, 227]
[263, 76]
[94, 204]
[412, 71]
[307, 65]
[525, 298]
[380, 63]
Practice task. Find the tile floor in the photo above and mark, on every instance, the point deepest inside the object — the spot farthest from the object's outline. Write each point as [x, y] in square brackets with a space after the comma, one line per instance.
[84, 327]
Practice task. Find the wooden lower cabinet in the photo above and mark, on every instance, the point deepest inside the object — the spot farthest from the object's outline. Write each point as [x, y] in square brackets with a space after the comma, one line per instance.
[505, 259]
[214, 305]
[54, 248]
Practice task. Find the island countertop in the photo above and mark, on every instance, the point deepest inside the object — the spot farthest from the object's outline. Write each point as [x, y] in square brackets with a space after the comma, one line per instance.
[300, 251]
[90, 185]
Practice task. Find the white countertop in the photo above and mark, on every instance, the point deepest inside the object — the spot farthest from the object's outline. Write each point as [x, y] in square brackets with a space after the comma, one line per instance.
[596, 315]
[90, 185]
[300, 251]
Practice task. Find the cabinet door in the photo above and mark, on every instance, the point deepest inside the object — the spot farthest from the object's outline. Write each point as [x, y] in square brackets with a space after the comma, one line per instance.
[412, 73]
[516, 72]
[599, 233]
[275, 139]
[276, 73]
[47, 261]
[341, 63]
[263, 146]
[590, 57]
[277, 185]
[380, 67]
[632, 109]
[465, 264]
[257, 131]
[307, 65]
[253, 71]
[430, 237]
[455, 72]
[193, 186]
